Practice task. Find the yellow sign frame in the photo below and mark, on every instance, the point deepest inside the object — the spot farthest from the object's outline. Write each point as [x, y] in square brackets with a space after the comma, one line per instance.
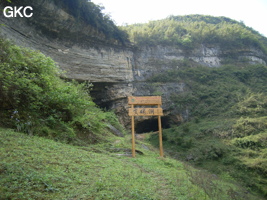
[145, 101]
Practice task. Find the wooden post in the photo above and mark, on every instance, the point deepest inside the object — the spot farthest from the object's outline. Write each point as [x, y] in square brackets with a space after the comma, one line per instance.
[160, 136]
[133, 136]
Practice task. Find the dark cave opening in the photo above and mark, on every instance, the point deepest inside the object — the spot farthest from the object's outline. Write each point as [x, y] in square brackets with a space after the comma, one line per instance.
[99, 94]
[151, 125]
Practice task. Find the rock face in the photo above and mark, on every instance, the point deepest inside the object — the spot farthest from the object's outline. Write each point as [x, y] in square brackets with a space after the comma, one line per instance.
[81, 59]
[116, 71]
[151, 60]
[156, 59]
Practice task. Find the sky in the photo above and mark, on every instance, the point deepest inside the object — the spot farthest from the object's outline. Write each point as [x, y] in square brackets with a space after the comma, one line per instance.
[252, 12]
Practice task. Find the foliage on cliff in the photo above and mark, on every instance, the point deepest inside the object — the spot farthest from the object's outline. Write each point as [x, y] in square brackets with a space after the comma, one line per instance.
[215, 91]
[84, 12]
[190, 31]
[92, 14]
[227, 128]
[35, 100]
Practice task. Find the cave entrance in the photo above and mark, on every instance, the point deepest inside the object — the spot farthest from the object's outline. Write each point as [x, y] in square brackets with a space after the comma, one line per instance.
[151, 124]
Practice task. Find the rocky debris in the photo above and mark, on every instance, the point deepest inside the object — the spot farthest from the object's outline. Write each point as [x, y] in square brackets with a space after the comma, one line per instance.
[115, 131]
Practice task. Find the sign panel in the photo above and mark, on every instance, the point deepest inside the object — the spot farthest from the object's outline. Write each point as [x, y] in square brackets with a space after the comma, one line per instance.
[145, 100]
[145, 112]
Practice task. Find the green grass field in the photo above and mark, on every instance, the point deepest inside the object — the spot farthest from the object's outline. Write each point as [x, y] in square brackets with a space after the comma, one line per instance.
[33, 167]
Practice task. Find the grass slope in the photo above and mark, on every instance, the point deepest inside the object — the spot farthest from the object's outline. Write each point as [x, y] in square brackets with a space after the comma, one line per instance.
[33, 167]
[211, 144]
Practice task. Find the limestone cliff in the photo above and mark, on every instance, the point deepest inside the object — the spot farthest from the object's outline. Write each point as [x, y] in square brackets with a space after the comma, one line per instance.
[76, 47]
[116, 70]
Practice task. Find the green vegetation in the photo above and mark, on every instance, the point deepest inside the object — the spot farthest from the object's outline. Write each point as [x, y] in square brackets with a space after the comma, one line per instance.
[35, 100]
[190, 31]
[32, 167]
[216, 145]
[227, 127]
[87, 11]
[228, 90]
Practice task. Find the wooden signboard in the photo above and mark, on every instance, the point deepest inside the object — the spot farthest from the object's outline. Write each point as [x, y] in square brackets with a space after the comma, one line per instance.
[146, 101]
[145, 111]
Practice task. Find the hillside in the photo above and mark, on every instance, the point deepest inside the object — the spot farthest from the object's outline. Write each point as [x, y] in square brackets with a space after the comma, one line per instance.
[36, 168]
[65, 95]
[189, 31]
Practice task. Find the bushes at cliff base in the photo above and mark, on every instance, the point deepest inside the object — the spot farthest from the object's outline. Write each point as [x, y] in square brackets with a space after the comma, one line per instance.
[35, 100]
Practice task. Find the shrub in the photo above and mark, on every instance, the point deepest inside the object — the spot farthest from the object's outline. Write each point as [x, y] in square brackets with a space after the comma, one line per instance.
[253, 141]
[34, 99]
[253, 104]
[249, 126]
